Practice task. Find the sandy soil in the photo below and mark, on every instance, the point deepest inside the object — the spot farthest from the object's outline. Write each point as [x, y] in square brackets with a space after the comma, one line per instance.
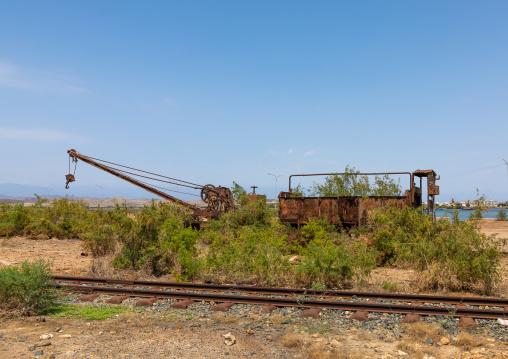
[145, 336]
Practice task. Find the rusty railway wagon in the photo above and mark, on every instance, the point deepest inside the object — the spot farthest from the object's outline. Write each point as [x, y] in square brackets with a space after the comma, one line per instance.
[354, 210]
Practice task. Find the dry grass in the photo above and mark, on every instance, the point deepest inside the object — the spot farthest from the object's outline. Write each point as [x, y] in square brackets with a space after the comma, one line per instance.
[276, 319]
[364, 336]
[418, 351]
[225, 318]
[422, 331]
[317, 352]
[317, 348]
[433, 279]
[467, 341]
[102, 268]
[293, 340]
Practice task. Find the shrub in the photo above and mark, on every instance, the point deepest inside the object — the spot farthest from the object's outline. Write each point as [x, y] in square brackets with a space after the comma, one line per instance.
[151, 239]
[248, 254]
[452, 256]
[25, 287]
[501, 215]
[332, 258]
[252, 213]
[179, 251]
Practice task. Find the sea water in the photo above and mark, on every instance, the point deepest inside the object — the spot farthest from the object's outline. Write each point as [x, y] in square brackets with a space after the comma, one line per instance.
[464, 214]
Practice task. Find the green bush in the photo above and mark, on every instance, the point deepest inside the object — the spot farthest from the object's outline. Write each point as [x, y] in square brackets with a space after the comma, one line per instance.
[179, 251]
[446, 255]
[25, 287]
[62, 218]
[501, 215]
[146, 236]
[252, 213]
[332, 258]
[248, 254]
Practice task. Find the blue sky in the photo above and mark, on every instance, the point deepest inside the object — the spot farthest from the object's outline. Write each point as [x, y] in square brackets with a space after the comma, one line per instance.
[223, 91]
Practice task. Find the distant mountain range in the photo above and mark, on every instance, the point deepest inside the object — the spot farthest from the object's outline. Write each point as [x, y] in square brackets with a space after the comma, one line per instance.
[16, 193]
[13, 190]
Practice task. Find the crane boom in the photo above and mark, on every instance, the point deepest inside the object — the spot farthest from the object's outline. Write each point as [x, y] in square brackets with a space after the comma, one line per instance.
[76, 155]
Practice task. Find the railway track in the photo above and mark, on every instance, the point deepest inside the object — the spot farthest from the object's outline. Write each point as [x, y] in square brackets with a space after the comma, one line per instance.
[413, 305]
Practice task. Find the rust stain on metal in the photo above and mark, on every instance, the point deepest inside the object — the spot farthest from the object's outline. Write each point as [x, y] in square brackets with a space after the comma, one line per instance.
[467, 322]
[88, 298]
[411, 318]
[218, 199]
[354, 210]
[311, 313]
[183, 304]
[360, 315]
[223, 307]
[117, 299]
[147, 302]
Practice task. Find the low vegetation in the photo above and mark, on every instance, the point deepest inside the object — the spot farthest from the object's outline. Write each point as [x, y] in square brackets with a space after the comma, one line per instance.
[24, 288]
[251, 245]
[447, 255]
[85, 311]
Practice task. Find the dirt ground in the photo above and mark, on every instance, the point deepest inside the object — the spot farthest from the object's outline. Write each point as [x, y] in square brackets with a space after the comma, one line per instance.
[144, 335]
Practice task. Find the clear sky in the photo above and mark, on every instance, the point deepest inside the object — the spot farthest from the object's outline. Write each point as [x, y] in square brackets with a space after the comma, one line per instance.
[222, 91]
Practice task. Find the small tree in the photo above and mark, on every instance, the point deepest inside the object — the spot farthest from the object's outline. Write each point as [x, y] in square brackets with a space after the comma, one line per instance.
[298, 191]
[240, 194]
[481, 206]
[352, 184]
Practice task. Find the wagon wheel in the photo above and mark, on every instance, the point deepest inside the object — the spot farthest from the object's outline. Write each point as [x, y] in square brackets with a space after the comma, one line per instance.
[206, 192]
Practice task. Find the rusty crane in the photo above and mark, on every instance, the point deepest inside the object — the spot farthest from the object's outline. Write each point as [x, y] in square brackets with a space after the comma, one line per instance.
[218, 199]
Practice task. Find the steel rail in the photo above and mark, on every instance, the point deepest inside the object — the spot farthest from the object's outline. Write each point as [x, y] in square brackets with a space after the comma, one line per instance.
[480, 301]
[294, 301]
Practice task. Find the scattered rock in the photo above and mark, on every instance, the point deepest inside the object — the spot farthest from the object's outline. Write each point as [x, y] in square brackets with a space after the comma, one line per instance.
[430, 341]
[502, 321]
[230, 339]
[46, 336]
[250, 331]
[43, 344]
[38, 352]
[66, 336]
[401, 353]
[178, 326]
